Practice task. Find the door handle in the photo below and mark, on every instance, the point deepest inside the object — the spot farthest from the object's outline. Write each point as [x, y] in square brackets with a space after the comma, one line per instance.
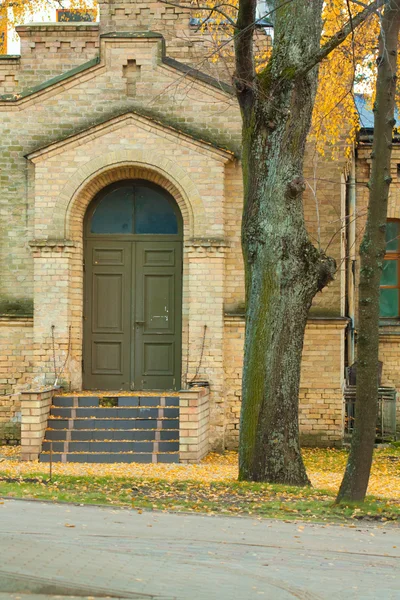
[140, 322]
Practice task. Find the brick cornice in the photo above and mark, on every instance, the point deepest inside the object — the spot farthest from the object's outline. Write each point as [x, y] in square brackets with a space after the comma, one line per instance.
[51, 244]
[59, 27]
[9, 58]
[217, 243]
[15, 321]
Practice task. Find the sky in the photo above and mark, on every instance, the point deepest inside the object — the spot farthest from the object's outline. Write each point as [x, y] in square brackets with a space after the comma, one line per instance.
[42, 16]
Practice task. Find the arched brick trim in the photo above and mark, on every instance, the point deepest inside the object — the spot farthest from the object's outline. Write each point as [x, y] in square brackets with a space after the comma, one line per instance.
[73, 203]
[100, 172]
[77, 209]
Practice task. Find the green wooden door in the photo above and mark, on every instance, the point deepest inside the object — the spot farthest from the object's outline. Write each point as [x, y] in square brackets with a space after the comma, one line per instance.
[107, 315]
[158, 323]
[132, 290]
[132, 317]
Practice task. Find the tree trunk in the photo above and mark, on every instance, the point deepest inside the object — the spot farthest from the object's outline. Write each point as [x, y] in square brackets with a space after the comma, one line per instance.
[372, 251]
[283, 273]
[283, 269]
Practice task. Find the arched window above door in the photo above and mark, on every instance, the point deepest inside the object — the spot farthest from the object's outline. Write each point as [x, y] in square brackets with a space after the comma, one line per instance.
[134, 207]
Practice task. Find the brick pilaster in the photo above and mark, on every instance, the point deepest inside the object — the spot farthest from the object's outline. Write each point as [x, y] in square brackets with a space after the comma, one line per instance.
[35, 410]
[194, 418]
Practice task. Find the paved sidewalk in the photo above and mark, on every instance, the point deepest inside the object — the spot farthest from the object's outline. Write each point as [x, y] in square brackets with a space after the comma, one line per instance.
[85, 551]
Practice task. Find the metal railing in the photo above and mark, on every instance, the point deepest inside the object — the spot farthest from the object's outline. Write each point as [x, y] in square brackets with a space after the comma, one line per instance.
[386, 421]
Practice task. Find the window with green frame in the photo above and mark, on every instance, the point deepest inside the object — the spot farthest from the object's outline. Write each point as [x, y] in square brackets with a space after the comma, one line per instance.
[390, 280]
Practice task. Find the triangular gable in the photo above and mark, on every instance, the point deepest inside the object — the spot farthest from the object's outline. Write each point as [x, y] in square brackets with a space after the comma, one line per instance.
[218, 153]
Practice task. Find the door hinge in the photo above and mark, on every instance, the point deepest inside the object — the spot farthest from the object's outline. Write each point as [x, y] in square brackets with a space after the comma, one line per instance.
[84, 265]
[83, 365]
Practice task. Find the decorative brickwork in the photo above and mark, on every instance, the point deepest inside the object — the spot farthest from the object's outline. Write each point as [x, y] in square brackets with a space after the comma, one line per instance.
[184, 40]
[9, 70]
[49, 50]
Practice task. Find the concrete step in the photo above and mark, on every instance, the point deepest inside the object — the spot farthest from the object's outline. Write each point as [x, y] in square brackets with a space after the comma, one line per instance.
[107, 457]
[121, 401]
[113, 423]
[99, 435]
[112, 429]
[115, 413]
[111, 446]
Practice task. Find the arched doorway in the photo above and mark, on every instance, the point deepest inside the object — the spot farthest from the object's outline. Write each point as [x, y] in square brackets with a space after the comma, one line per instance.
[133, 235]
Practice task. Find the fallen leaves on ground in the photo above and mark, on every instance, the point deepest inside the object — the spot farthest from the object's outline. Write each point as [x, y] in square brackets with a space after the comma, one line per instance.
[10, 452]
[324, 466]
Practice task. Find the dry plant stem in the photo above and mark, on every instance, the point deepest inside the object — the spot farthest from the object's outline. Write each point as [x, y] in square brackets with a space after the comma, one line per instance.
[372, 251]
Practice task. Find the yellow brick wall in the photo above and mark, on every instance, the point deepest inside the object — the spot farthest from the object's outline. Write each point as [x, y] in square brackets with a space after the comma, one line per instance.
[9, 405]
[321, 397]
[16, 353]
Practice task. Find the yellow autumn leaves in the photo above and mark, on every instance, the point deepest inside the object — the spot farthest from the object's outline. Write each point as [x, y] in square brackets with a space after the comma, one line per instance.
[18, 11]
[324, 467]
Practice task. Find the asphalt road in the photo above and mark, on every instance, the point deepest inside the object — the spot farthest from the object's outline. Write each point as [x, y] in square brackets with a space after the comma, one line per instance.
[49, 550]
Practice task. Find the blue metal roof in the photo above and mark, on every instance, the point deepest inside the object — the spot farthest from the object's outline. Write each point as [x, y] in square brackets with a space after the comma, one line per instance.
[364, 108]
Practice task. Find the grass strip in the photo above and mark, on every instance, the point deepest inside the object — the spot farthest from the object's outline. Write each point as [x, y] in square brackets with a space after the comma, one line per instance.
[234, 498]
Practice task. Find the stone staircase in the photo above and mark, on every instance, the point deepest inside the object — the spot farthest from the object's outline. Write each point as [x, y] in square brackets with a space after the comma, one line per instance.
[113, 429]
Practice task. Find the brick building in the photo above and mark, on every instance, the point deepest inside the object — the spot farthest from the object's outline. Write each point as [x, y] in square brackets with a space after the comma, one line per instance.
[120, 212]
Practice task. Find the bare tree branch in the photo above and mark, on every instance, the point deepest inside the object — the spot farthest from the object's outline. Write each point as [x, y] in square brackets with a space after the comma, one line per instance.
[210, 9]
[341, 35]
[245, 69]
